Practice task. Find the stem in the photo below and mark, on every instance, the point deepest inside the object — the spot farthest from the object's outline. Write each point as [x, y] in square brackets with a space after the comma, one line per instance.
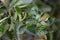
[17, 32]
[3, 19]
[24, 17]
[51, 35]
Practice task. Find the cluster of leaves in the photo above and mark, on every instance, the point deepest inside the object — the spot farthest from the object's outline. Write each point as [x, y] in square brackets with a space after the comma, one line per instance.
[22, 15]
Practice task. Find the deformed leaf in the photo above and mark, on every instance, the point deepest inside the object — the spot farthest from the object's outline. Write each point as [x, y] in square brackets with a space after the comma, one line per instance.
[45, 17]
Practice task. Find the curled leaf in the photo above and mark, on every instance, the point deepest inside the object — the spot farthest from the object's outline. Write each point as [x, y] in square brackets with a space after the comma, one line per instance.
[45, 17]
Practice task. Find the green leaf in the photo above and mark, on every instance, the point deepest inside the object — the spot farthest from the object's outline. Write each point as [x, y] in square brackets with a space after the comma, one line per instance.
[15, 17]
[32, 29]
[44, 27]
[45, 8]
[4, 27]
[29, 24]
[3, 10]
[18, 10]
[34, 10]
[51, 20]
[43, 23]
[22, 30]
[23, 3]
[13, 2]
[26, 1]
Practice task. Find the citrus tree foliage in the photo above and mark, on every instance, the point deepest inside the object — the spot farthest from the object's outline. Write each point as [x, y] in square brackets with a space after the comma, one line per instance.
[19, 16]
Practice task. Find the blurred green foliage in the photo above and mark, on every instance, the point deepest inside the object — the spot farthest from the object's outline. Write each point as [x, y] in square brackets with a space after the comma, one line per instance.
[20, 16]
